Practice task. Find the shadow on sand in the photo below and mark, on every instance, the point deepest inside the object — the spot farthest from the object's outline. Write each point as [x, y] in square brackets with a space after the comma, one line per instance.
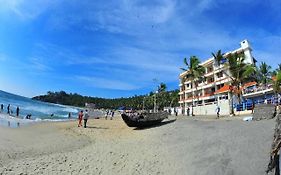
[157, 125]
[94, 127]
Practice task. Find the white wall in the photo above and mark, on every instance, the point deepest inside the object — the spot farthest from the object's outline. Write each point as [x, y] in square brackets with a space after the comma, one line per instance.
[245, 45]
[211, 109]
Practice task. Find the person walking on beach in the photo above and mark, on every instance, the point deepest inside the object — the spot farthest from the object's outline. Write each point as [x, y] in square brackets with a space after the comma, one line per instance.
[8, 109]
[69, 115]
[218, 112]
[86, 117]
[80, 117]
[18, 111]
[106, 115]
[112, 114]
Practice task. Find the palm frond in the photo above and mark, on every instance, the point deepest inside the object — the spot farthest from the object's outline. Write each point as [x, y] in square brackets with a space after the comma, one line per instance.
[185, 62]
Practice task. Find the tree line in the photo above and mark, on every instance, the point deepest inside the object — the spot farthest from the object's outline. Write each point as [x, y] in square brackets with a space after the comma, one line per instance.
[163, 98]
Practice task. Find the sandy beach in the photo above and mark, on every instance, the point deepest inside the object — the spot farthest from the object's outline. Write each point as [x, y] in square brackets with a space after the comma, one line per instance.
[186, 146]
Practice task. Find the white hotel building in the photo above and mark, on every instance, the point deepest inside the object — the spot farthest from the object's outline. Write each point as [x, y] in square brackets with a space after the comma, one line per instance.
[213, 91]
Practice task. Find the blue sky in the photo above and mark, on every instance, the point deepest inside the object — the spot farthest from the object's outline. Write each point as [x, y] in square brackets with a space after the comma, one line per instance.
[116, 48]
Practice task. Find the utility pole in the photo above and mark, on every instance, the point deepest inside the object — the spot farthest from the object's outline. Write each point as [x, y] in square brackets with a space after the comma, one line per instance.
[155, 105]
[143, 103]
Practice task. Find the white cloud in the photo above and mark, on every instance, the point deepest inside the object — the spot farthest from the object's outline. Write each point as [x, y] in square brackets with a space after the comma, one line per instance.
[104, 83]
[26, 9]
[38, 65]
[152, 37]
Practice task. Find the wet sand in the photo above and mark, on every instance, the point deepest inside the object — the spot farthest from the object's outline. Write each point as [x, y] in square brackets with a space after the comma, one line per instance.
[186, 146]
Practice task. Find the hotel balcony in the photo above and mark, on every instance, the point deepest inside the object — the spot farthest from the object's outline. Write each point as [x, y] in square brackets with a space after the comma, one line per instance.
[202, 97]
[257, 91]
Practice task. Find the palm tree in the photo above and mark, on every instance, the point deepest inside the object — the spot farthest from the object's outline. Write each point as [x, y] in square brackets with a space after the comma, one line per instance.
[240, 73]
[274, 73]
[265, 73]
[194, 73]
[161, 97]
[218, 57]
[278, 68]
[174, 98]
[162, 87]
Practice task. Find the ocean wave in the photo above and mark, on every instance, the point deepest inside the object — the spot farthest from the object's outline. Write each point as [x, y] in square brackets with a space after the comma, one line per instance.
[6, 120]
[37, 109]
[72, 110]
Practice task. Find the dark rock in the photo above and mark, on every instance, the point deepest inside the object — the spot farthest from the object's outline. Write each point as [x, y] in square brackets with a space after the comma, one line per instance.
[264, 111]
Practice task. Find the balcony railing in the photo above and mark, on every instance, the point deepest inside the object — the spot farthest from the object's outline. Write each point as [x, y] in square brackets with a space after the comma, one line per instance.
[257, 89]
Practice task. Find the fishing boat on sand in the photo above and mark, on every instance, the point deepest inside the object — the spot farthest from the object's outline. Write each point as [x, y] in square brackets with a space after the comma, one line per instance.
[143, 119]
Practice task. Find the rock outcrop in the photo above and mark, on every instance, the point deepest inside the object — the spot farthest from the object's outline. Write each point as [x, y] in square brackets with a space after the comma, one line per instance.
[264, 111]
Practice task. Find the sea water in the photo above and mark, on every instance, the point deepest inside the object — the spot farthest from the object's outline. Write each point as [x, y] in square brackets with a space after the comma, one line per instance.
[39, 110]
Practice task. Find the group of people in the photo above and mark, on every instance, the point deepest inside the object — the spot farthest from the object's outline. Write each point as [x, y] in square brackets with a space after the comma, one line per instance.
[109, 113]
[9, 111]
[83, 115]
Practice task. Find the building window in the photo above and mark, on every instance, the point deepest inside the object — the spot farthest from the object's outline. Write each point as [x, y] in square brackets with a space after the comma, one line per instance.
[220, 86]
[210, 80]
[209, 69]
[219, 75]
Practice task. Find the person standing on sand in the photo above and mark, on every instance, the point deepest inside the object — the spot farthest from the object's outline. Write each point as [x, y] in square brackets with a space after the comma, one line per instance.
[18, 111]
[86, 117]
[80, 117]
[112, 114]
[188, 110]
[8, 109]
[106, 115]
[218, 112]
[253, 106]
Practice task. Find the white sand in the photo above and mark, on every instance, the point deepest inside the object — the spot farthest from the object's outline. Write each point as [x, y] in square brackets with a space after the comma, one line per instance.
[186, 146]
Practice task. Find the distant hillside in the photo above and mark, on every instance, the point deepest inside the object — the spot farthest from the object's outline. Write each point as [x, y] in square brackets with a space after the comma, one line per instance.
[136, 102]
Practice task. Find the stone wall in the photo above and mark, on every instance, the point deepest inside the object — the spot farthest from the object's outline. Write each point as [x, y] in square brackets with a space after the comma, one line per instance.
[264, 111]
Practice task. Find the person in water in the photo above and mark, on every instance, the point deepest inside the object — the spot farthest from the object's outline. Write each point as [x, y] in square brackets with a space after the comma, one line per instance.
[86, 117]
[2, 107]
[80, 117]
[18, 111]
[28, 116]
[8, 109]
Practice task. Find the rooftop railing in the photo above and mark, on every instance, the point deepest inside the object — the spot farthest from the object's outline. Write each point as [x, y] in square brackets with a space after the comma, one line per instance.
[257, 89]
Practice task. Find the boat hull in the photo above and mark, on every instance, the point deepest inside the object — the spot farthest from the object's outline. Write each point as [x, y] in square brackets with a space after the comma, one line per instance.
[144, 120]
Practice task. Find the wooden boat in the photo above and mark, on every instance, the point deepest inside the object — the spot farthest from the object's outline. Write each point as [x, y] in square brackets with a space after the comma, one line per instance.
[143, 119]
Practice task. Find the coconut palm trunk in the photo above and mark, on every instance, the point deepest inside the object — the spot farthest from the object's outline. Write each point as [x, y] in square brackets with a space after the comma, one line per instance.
[194, 72]
[239, 73]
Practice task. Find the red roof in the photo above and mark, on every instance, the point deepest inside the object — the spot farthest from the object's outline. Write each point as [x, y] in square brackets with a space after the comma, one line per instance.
[225, 88]
[249, 84]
